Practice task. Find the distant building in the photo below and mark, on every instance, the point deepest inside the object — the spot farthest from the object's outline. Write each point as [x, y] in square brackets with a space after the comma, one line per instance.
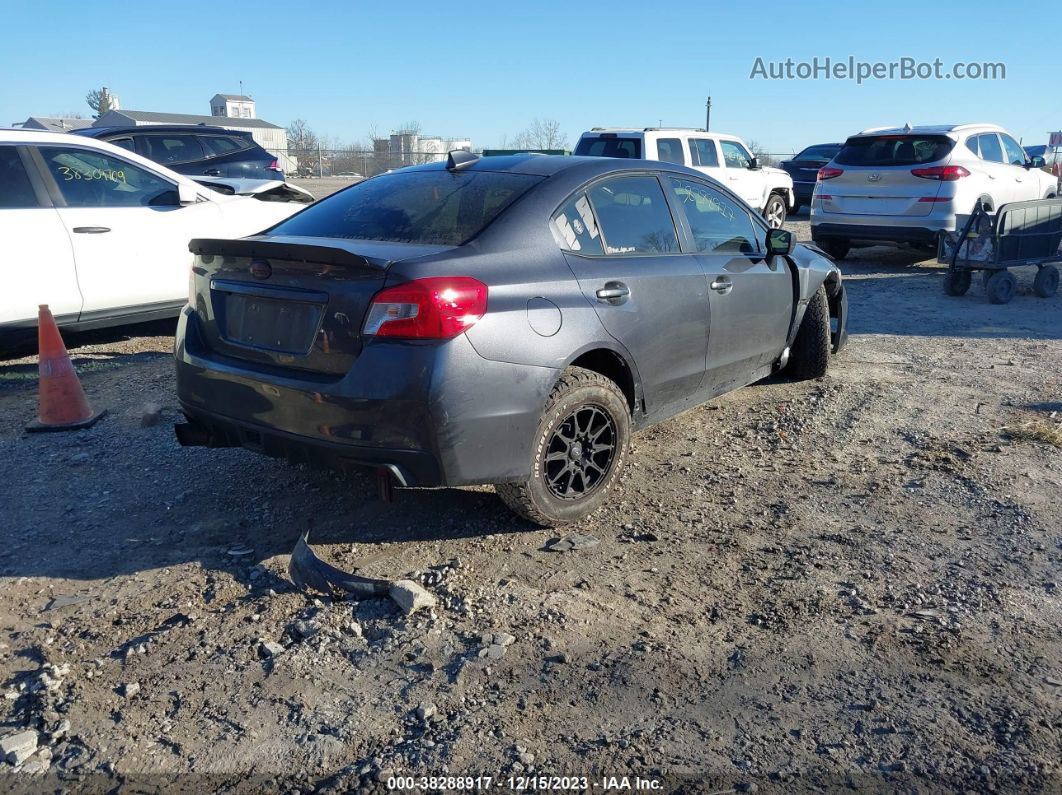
[236, 106]
[53, 123]
[407, 147]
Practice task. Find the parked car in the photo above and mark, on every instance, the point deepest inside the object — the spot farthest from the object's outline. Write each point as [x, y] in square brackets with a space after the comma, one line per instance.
[505, 320]
[910, 184]
[725, 158]
[804, 169]
[101, 234]
[194, 149]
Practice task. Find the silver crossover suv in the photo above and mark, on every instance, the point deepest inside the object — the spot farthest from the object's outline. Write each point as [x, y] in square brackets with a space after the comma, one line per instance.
[909, 184]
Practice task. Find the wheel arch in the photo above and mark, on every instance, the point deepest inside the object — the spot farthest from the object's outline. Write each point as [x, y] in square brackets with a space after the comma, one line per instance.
[615, 366]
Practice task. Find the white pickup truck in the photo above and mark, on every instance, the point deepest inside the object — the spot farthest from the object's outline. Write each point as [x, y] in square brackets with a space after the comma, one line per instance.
[725, 158]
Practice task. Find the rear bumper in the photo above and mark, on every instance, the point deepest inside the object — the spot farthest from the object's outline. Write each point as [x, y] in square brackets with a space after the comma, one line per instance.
[874, 233]
[436, 414]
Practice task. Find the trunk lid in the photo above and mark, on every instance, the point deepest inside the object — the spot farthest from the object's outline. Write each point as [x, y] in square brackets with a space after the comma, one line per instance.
[290, 302]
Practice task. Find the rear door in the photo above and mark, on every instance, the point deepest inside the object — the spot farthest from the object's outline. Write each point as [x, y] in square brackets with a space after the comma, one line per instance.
[38, 263]
[181, 152]
[751, 296]
[650, 296]
[992, 164]
[704, 156]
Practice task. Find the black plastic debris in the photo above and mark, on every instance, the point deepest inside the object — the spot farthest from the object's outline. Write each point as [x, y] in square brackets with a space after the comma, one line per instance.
[309, 572]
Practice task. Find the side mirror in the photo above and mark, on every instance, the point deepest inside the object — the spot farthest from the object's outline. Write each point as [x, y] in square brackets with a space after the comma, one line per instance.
[1036, 162]
[754, 164]
[779, 242]
[187, 194]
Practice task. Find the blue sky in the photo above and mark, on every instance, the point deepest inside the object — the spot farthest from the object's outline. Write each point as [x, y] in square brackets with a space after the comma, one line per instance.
[486, 69]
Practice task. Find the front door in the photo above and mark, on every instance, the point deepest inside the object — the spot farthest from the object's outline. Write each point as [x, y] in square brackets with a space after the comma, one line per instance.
[751, 295]
[621, 243]
[740, 178]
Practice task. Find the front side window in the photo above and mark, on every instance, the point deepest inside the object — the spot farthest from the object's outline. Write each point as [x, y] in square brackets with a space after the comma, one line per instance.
[16, 191]
[990, 148]
[95, 179]
[576, 228]
[703, 152]
[432, 207]
[718, 224]
[1015, 154]
[633, 216]
[167, 149]
[670, 150]
[735, 155]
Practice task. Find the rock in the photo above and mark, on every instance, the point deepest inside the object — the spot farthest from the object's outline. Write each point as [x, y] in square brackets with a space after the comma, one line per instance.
[150, 415]
[129, 689]
[383, 774]
[504, 639]
[426, 710]
[269, 649]
[59, 730]
[305, 629]
[572, 542]
[492, 652]
[410, 596]
[527, 758]
[17, 748]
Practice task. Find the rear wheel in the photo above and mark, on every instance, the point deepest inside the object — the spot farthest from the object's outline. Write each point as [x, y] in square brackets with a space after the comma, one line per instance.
[810, 355]
[836, 248]
[1001, 287]
[1046, 282]
[957, 282]
[774, 211]
[579, 451]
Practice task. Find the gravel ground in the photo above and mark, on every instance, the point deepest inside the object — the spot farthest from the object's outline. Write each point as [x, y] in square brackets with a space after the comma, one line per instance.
[845, 583]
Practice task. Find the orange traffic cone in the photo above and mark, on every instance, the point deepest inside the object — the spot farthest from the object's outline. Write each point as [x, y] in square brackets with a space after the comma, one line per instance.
[63, 405]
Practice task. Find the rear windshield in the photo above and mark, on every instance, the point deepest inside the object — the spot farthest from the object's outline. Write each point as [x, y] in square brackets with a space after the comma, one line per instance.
[819, 152]
[894, 150]
[437, 207]
[610, 147]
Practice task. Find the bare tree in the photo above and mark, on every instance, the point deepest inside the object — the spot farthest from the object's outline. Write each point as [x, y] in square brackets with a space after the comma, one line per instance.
[542, 134]
[99, 99]
[761, 154]
[66, 114]
[303, 145]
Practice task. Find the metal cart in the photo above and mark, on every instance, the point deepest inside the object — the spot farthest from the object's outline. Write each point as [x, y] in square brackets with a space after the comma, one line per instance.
[1021, 233]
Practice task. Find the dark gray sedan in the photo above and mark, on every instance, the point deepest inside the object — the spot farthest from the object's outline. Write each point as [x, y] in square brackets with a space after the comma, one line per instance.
[506, 320]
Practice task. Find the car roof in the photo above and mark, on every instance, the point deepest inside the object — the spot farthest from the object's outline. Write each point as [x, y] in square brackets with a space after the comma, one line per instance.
[598, 131]
[578, 167]
[98, 132]
[931, 129]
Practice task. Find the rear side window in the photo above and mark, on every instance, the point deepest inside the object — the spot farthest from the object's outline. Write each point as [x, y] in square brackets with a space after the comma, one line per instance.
[435, 207]
[168, 149]
[670, 150]
[124, 143]
[971, 144]
[16, 192]
[634, 216]
[576, 227]
[990, 148]
[703, 153]
[609, 147]
[223, 144]
[894, 150]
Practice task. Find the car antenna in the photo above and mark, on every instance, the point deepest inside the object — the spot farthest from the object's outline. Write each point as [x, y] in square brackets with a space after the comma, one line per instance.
[459, 158]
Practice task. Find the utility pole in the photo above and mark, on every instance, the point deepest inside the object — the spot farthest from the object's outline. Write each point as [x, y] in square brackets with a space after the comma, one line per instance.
[320, 162]
[708, 113]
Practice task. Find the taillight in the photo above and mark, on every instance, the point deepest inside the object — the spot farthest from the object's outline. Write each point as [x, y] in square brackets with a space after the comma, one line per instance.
[439, 307]
[274, 166]
[942, 173]
[935, 199]
[826, 172]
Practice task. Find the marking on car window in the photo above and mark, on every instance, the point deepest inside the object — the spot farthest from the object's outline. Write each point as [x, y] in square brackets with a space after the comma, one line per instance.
[571, 239]
[583, 207]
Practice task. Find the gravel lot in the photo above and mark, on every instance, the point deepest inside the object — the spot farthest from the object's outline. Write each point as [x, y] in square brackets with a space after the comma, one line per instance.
[850, 582]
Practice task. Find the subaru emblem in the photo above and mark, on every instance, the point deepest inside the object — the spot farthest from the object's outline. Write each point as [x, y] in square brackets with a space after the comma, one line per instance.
[260, 269]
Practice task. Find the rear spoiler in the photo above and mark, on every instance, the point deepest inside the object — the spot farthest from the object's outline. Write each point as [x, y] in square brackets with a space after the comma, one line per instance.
[295, 252]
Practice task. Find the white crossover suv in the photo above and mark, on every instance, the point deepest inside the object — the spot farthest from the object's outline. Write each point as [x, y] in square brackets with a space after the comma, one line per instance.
[909, 184]
[101, 234]
[725, 158]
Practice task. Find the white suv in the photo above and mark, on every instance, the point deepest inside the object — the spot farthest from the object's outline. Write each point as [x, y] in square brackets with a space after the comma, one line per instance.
[722, 157]
[909, 184]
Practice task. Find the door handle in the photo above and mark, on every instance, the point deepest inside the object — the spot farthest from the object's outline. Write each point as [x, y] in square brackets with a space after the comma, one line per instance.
[91, 230]
[722, 284]
[614, 293]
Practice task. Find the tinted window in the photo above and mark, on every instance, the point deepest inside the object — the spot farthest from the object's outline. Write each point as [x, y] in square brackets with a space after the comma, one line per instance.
[824, 152]
[223, 144]
[1015, 154]
[124, 143]
[718, 224]
[971, 144]
[703, 152]
[634, 217]
[441, 207]
[894, 150]
[576, 227]
[990, 148]
[670, 150]
[95, 179]
[168, 149]
[609, 147]
[15, 188]
[735, 155]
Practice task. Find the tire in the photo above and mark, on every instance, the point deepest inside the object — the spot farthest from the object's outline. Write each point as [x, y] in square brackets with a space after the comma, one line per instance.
[581, 401]
[1001, 287]
[985, 276]
[809, 356]
[774, 211]
[1046, 282]
[836, 248]
[957, 282]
